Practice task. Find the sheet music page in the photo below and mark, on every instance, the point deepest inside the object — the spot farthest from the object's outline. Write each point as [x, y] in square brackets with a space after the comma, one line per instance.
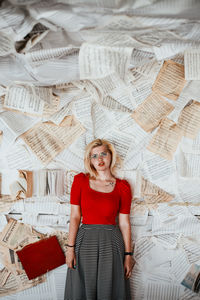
[137, 281]
[70, 160]
[120, 22]
[107, 38]
[2, 92]
[153, 194]
[140, 91]
[165, 291]
[170, 80]
[128, 125]
[43, 144]
[192, 250]
[121, 141]
[78, 146]
[139, 57]
[96, 61]
[166, 139]
[191, 145]
[168, 241]
[102, 122]
[157, 167]
[19, 283]
[6, 203]
[16, 125]
[8, 137]
[24, 99]
[189, 120]
[152, 68]
[180, 265]
[47, 289]
[34, 37]
[36, 58]
[82, 109]
[152, 110]
[21, 157]
[47, 140]
[188, 189]
[51, 107]
[179, 105]
[142, 248]
[59, 279]
[192, 90]
[189, 164]
[166, 50]
[6, 44]
[66, 134]
[123, 96]
[192, 64]
[108, 83]
[12, 237]
[113, 105]
[188, 224]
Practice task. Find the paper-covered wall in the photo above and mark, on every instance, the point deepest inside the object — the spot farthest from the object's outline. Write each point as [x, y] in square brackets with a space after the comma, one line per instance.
[126, 71]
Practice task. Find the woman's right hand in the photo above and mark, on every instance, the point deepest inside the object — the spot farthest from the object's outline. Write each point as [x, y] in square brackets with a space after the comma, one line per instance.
[71, 258]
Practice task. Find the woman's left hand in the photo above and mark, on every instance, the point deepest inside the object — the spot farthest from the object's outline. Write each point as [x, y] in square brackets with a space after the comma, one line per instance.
[128, 265]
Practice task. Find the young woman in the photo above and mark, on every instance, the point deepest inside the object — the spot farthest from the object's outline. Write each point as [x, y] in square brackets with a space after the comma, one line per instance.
[99, 255]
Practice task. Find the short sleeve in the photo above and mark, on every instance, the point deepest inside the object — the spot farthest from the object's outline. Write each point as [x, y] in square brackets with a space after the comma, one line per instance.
[75, 196]
[125, 197]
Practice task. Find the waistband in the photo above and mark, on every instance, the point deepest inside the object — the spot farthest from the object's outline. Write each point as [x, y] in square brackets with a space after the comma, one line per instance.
[99, 226]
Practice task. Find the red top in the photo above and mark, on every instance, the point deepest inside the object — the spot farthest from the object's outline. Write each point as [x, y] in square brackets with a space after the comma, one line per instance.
[100, 207]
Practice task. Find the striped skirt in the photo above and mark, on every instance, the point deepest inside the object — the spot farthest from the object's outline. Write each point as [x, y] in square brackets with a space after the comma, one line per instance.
[99, 273]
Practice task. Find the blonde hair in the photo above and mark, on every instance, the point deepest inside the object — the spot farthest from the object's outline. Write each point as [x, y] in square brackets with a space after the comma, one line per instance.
[87, 161]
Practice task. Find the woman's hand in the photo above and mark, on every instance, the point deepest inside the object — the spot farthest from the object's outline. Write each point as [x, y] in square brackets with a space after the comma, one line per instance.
[128, 265]
[71, 258]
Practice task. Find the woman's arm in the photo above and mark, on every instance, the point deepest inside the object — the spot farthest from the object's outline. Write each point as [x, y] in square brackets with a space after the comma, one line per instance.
[125, 227]
[75, 218]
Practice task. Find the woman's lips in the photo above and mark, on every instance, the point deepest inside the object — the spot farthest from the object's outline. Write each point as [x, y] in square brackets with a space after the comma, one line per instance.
[101, 164]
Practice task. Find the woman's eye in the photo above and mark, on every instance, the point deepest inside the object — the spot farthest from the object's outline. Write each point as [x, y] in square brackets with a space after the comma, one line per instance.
[103, 153]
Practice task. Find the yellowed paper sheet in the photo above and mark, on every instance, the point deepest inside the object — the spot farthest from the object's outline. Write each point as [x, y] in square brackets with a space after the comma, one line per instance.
[149, 114]
[189, 120]
[15, 235]
[51, 108]
[170, 80]
[153, 194]
[67, 135]
[18, 283]
[11, 261]
[4, 274]
[46, 140]
[41, 141]
[166, 139]
[6, 202]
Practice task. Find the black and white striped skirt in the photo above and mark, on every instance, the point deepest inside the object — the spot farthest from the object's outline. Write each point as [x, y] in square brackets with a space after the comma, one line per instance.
[99, 273]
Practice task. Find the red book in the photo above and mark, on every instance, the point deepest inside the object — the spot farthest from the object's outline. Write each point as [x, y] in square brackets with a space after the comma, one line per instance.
[42, 256]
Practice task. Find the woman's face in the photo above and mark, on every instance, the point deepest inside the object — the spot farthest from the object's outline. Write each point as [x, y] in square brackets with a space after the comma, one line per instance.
[100, 158]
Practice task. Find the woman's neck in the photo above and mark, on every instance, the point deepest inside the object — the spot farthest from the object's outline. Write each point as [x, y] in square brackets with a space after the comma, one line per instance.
[104, 175]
